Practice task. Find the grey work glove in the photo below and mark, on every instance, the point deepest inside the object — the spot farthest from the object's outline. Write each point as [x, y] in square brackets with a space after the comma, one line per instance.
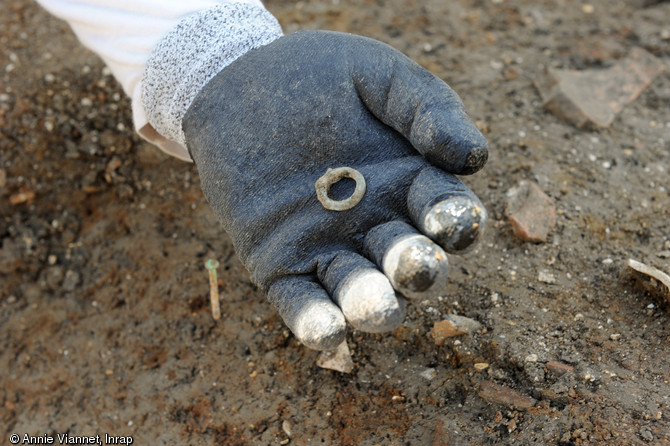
[268, 126]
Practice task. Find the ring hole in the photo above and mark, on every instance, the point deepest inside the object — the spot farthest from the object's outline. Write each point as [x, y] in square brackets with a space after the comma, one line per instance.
[342, 189]
[330, 180]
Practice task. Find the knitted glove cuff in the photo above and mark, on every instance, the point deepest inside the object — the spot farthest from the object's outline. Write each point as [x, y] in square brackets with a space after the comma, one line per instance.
[193, 52]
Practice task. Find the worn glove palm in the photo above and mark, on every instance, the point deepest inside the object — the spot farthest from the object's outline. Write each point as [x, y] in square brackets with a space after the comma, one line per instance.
[269, 125]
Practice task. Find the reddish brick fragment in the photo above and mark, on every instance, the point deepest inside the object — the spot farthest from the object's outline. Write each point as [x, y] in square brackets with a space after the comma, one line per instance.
[497, 394]
[530, 212]
[22, 196]
[444, 330]
[438, 440]
[559, 368]
[449, 432]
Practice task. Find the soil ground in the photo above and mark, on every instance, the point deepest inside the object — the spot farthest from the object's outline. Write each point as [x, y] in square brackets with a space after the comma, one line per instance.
[104, 312]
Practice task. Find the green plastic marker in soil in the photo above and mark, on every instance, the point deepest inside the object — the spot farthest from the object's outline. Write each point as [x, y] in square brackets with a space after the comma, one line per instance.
[211, 266]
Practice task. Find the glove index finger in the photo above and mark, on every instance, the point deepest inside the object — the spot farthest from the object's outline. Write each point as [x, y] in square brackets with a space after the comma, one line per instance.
[421, 107]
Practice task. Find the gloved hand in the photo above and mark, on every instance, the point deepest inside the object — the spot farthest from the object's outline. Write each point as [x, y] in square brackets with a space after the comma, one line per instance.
[268, 126]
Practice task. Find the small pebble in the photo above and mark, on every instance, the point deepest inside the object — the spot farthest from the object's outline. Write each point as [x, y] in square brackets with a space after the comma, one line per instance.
[608, 261]
[481, 366]
[71, 280]
[453, 326]
[646, 434]
[546, 277]
[54, 277]
[286, 427]
[496, 65]
[495, 298]
[428, 374]
[531, 358]
[615, 336]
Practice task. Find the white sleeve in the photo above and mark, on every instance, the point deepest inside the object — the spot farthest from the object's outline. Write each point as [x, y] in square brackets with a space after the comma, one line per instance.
[126, 33]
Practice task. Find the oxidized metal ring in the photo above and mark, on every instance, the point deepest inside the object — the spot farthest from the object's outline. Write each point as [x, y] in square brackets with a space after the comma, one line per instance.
[331, 177]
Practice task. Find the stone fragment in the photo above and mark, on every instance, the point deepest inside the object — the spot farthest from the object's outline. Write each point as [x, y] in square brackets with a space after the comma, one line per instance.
[54, 277]
[497, 394]
[530, 212]
[452, 326]
[71, 280]
[338, 359]
[593, 98]
[652, 280]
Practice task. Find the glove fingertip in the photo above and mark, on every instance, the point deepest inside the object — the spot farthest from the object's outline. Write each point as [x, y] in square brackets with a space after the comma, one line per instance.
[451, 141]
[477, 158]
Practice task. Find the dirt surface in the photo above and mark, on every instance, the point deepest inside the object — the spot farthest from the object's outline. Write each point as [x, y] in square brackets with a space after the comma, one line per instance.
[104, 312]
